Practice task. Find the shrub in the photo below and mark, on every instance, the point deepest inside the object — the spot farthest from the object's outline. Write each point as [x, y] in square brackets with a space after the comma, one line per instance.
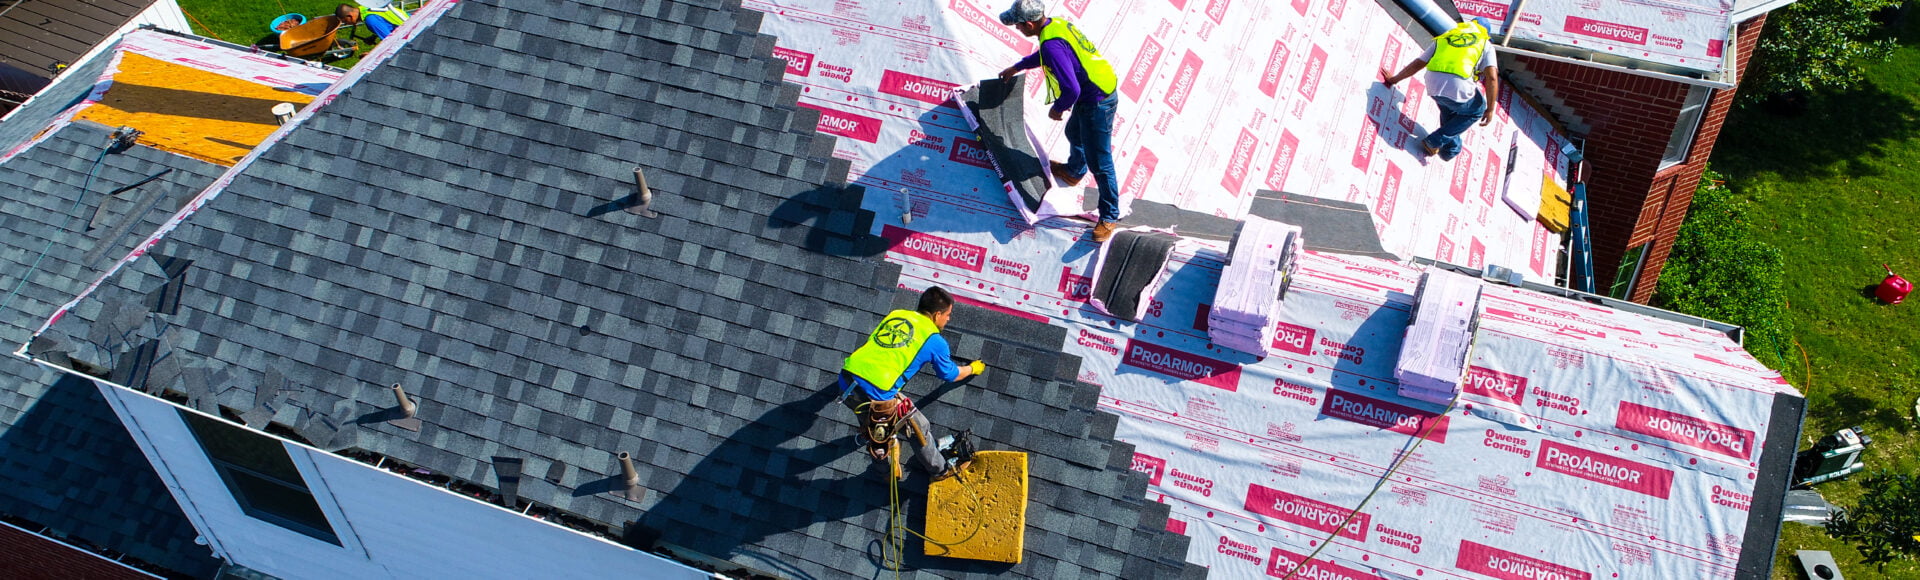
[1885, 523]
[1718, 271]
[1814, 45]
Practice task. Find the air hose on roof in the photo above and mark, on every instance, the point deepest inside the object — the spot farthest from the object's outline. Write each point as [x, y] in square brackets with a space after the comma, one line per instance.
[120, 140]
[1384, 478]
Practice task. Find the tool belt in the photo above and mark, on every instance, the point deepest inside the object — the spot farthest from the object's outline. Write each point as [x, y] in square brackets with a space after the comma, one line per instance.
[883, 421]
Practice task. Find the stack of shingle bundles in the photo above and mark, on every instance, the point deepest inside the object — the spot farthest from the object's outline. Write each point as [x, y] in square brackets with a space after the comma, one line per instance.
[1131, 268]
[1439, 337]
[1246, 306]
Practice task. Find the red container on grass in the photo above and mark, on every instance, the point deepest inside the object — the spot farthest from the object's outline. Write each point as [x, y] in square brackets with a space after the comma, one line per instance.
[1893, 289]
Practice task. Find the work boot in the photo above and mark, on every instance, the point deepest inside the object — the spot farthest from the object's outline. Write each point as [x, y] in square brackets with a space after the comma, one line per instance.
[1104, 230]
[1061, 176]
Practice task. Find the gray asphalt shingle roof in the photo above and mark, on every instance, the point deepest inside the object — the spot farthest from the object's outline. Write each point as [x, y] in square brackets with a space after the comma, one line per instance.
[451, 223]
[65, 460]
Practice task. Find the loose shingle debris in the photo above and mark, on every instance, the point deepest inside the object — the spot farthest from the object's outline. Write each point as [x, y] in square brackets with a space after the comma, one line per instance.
[65, 461]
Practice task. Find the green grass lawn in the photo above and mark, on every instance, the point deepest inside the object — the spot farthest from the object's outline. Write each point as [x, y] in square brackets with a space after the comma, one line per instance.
[1834, 188]
[245, 21]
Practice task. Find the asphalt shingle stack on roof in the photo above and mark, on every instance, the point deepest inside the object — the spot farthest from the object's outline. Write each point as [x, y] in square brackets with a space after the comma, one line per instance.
[65, 460]
[452, 223]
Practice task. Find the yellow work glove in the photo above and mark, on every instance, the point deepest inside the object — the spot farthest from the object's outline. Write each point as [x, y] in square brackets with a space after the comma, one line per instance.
[978, 367]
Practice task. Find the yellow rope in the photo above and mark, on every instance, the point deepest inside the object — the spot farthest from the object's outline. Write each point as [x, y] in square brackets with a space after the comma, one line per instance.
[893, 554]
[208, 30]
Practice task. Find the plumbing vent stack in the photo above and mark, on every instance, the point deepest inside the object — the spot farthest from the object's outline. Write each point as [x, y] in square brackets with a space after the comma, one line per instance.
[630, 479]
[406, 410]
[644, 201]
[283, 113]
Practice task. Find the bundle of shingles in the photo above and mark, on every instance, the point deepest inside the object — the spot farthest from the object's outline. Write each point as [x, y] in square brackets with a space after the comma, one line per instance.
[1439, 337]
[1246, 307]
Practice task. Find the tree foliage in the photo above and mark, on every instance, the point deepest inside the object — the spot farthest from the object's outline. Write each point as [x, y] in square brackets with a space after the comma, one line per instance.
[1885, 524]
[1814, 45]
[1719, 271]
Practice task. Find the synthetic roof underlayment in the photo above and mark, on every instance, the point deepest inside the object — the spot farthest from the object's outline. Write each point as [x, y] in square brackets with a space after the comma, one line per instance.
[401, 282]
[1599, 444]
[452, 221]
[1218, 99]
[1689, 34]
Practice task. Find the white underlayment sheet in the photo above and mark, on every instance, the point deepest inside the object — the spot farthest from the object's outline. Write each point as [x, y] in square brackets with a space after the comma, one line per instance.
[1685, 33]
[1261, 457]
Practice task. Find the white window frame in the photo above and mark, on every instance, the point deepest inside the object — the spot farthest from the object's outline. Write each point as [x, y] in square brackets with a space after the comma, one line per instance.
[1692, 112]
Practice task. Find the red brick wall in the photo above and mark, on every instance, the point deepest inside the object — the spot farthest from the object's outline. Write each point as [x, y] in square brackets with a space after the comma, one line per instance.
[1631, 199]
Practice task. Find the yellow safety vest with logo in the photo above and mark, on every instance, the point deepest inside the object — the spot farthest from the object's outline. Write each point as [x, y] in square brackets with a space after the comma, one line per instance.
[1457, 51]
[891, 347]
[1096, 66]
[393, 14]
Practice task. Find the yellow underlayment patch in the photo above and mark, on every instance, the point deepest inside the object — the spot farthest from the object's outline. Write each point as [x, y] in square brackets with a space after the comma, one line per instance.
[207, 116]
[1556, 206]
[983, 512]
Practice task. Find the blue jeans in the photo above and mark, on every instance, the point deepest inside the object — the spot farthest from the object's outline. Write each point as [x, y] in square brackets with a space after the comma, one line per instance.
[1090, 133]
[1455, 118]
[379, 26]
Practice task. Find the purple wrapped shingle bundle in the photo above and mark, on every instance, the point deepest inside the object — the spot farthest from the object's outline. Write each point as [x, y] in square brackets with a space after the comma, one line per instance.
[1246, 307]
[1439, 337]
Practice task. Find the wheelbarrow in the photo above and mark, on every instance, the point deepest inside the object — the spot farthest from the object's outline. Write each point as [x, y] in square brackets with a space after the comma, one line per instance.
[317, 37]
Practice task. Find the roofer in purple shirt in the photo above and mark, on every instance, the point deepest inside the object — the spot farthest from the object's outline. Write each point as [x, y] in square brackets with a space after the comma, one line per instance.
[1080, 80]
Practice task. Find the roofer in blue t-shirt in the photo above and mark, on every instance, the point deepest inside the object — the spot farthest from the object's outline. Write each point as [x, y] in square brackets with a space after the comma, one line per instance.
[1078, 79]
[870, 380]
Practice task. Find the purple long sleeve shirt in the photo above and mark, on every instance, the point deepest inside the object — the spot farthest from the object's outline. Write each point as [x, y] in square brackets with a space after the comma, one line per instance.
[1072, 78]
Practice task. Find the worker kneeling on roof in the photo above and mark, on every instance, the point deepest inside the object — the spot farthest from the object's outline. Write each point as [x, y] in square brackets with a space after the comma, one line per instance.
[1078, 78]
[1454, 61]
[380, 16]
[870, 380]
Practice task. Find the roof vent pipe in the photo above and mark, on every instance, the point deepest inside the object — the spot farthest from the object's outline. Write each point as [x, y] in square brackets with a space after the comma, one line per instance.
[630, 479]
[405, 410]
[1429, 14]
[643, 199]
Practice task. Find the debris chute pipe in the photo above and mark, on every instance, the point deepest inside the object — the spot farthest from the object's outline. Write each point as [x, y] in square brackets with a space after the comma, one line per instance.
[1428, 12]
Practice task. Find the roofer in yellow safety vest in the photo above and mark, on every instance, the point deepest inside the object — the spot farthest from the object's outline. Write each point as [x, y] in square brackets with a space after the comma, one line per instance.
[380, 16]
[1078, 78]
[1454, 61]
[871, 378]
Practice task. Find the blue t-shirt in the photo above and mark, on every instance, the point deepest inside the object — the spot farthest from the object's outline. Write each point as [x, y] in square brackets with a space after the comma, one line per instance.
[934, 350]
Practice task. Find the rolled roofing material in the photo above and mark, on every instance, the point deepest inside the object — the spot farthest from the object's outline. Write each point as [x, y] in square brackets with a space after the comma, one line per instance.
[998, 116]
[1131, 268]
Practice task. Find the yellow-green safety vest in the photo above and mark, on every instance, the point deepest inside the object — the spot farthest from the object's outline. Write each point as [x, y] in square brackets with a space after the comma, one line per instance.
[891, 347]
[393, 14]
[1457, 51]
[1096, 66]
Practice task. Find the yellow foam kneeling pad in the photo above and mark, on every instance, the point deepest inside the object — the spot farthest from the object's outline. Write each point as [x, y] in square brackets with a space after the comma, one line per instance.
[1556, 205]
[983, 512]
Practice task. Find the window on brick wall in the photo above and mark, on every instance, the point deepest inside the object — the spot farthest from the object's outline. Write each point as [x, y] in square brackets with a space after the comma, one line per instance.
[1629, 272]
[262, 477]
[1681, 143]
